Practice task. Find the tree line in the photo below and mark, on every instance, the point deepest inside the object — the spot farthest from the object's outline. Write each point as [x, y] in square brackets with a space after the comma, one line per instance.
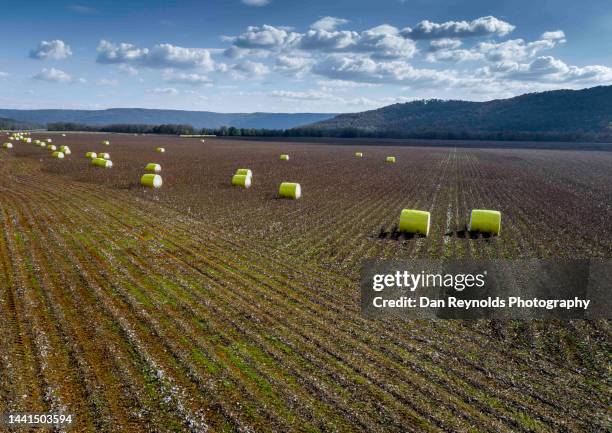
[231, 131]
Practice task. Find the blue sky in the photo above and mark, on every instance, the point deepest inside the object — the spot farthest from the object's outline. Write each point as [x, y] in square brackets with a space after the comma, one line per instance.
[292, 56]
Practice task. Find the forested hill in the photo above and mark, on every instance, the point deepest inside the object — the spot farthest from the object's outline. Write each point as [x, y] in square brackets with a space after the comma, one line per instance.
[586, 113]
[197, 119]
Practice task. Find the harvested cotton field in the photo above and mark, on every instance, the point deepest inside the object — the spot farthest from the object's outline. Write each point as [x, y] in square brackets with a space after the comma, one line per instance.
[200, 306]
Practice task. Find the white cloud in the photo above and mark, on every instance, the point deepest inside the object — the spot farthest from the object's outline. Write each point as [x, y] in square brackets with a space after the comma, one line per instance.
[444, 44]
[4, 75]
[53, 75]
[169, 91]
[360, 68]
[514, 49]
[293, 64]
[550, 69]
[193, 79]
[248, 68]
[328, 23]
[328, 40]
[55, 50]
[557, 35]
[255, 2]
[483, 26]
[265, 37]
[160, 56]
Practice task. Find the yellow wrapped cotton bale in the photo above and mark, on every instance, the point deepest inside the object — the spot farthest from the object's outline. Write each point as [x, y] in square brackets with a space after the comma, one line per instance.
[151, 180]
[91, 155]
[242, 180]
[290, 190]
[42, 144]
[63, 135]
[414, 221]
[485, 221]
[104, 155]
[100, 162]
[8, 145]
[153, 167]
[390, 159]
[51, 147]
[58, 154]
[245, 171]
[28, 140]
[106, 142]
[284, 157]
[359, 154]
[65, 150]
[160, 150]
[49, 140]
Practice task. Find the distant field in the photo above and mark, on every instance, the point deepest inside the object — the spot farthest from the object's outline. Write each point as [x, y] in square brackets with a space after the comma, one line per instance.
[202, 305]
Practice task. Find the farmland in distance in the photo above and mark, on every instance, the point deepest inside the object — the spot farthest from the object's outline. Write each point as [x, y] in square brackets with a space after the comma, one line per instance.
[202, 306]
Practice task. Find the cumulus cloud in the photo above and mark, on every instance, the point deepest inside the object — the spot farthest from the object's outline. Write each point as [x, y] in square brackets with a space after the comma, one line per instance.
[383, 41]
[266, 37]
[551, 69]
[255, 2]
[55, 50]
[293, 64]
[444, 44]
[169, 91]
[328, 23]
[483, 26]
[248, 68]
[53, 75]
[192, 79]
[514, 49]
[359, 68]
[160, 56]
[557, 35]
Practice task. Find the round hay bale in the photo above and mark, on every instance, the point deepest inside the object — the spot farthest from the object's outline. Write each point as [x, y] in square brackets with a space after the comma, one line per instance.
[359, 154]
[104, 155]
[153, 167]
[106, 142]
[242, 180]
[284, 157]
[63, 135]
[485, 221]
[414, 221]
[390, 159]
[49, 140]
[51, 147]
[100, 162]
[160, 150]
[91, 155]
[151, 180]
[290, 190]
[8, 145]
[58, 154]
[244, 171]
[42, 144]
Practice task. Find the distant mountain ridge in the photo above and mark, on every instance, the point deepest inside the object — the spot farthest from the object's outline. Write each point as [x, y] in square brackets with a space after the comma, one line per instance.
[197, 119]
[586, 112]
